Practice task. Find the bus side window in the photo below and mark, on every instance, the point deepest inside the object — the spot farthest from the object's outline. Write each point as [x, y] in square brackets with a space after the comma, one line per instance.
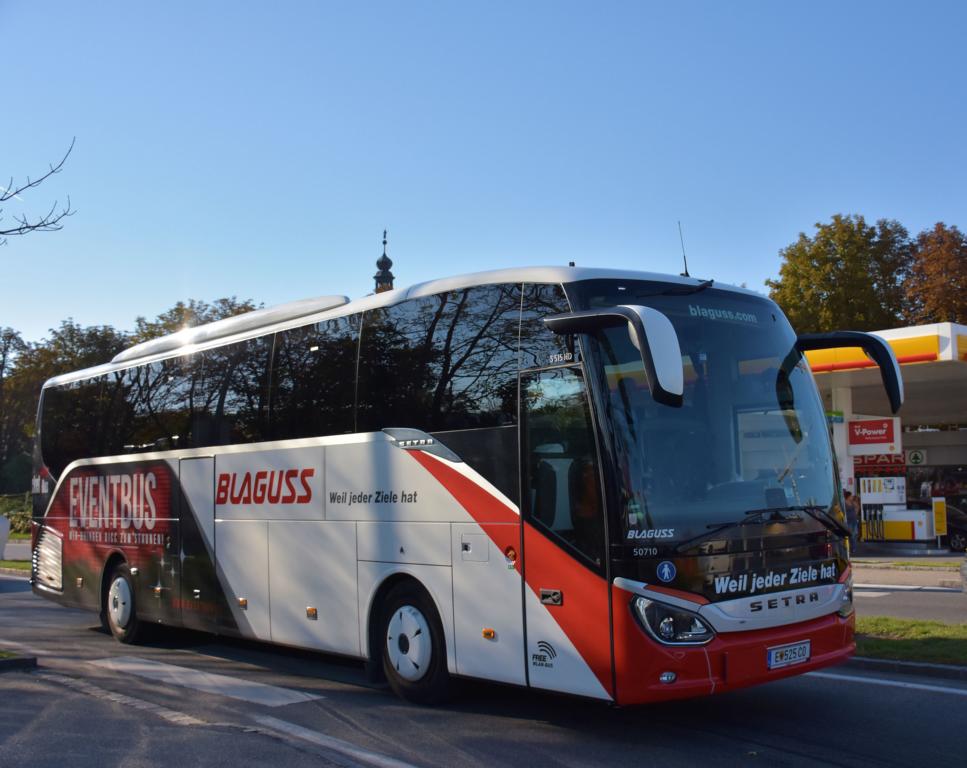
[313, 379]
[69, 423]
[563, 491]
[157, 407]
[442, 362]
[232, 405]
[540, 347]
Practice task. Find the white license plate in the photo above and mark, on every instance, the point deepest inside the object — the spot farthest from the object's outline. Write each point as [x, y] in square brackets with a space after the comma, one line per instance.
[787, 655]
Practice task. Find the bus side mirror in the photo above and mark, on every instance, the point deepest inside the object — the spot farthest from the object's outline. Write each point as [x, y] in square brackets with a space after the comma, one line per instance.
[652, 334]
[876, 348]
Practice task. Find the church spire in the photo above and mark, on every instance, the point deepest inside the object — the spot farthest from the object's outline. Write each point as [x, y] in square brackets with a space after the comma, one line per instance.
[384, 278]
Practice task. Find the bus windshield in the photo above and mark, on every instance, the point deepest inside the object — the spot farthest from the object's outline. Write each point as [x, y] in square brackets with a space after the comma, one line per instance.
[750, 443]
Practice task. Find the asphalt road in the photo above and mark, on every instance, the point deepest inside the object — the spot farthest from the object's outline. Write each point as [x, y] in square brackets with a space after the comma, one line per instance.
[89, 705]
[16, 549]
[916, 603]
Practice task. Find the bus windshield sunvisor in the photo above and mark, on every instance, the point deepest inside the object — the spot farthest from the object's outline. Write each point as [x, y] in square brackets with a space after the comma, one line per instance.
[878, 350]
[652, 334]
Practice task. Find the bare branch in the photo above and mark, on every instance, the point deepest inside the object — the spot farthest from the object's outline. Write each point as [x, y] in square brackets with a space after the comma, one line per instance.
[50, 221]
[11, 192]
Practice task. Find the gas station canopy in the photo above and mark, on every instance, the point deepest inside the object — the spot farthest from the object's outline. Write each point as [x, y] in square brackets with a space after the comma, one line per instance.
[933, 360]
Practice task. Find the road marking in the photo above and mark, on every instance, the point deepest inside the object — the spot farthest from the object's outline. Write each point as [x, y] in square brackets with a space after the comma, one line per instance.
[336, 745]
[906, 588]
[24, 649]
[889, 683]
[171, 715]
[871, 593]
[222, 685]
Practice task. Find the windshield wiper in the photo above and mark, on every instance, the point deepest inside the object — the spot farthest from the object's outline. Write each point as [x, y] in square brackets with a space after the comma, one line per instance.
[819, 513]
[752, 516]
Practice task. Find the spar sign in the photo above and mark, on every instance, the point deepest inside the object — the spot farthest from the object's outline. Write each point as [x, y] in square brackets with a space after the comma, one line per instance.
[868, 437]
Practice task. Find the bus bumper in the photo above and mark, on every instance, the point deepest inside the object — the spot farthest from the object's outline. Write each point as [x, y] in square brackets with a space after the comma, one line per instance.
[730, 661]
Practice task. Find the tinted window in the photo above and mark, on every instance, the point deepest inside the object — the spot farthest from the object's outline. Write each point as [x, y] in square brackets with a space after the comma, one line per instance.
[232, 398]
[163, 396]
[540, 347]
[313, 379]
[118, 416]
[441, 363]
[563, 490]
[69, 425]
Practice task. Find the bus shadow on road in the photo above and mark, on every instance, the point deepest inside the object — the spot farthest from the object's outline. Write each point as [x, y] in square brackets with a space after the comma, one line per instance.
[296, 663]
[298, 668]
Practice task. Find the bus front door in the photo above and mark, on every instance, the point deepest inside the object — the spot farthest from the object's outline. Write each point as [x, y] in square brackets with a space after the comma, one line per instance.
[567, 607]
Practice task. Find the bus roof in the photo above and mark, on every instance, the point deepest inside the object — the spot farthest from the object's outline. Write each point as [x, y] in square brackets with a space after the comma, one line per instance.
[297, 313]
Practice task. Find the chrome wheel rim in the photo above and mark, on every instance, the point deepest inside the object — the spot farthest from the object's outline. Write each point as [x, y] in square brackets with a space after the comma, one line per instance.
[119, 602]
[408, 643]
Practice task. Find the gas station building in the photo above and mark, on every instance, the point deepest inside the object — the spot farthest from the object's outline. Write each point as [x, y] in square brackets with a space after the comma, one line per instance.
[898, 465]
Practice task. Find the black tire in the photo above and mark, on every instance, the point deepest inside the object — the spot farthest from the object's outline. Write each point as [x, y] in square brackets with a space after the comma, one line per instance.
[957, 541]
[412, 646]
[119, 608]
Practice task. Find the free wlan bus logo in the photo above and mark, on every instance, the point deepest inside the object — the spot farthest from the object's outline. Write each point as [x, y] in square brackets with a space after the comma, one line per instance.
[545, 655]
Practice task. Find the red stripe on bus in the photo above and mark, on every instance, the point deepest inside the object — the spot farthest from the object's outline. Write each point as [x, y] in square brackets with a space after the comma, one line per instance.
[483, 507]
[584, 615]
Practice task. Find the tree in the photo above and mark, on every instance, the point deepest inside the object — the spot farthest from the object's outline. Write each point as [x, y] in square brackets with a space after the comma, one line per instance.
[183, 315]
[848, 276]
[11, 345]
[936, 288]
[24, 367]
[48, 222]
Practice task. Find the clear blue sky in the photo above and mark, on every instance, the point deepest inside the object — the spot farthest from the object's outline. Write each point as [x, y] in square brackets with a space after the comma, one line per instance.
[259, 149]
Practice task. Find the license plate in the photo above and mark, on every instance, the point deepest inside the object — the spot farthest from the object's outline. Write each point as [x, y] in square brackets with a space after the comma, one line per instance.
[787, 655]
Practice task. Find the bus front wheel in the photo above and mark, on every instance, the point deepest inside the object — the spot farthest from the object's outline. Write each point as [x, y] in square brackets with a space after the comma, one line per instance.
[414, 650]
[120, 608]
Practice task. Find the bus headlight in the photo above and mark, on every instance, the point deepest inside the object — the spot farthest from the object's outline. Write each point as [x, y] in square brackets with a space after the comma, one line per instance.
[671, 626]
[846, 607]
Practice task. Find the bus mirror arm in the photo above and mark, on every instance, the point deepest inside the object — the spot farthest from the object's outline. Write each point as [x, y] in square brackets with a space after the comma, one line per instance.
[876, 348]
[650, 331]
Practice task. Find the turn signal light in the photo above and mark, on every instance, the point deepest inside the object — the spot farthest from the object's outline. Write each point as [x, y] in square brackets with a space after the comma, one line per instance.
[511, 554]
[312, 613]
[489, 634]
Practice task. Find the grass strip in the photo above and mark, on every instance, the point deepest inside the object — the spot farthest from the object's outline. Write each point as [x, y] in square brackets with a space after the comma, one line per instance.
[20, 565]
[920, 564]
[19, 537]
[884, 637]
[6, 655]
[909, 564]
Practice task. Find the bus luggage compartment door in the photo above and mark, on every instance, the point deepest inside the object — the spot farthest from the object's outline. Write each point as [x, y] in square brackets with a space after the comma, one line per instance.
[199, 595]
[487, 617]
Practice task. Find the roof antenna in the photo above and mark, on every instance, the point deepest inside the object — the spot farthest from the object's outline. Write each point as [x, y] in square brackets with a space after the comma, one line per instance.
[682, 239]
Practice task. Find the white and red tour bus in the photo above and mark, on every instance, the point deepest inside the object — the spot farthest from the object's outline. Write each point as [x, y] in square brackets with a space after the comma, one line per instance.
[612, 484]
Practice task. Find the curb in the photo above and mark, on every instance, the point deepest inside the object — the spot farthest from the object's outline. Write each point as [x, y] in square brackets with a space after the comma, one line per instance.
[926, 669]
[15, 572]
[18, 663]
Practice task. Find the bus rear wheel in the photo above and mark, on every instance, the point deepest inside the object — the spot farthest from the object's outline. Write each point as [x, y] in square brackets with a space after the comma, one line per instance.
[120, 608]
[414, 651]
